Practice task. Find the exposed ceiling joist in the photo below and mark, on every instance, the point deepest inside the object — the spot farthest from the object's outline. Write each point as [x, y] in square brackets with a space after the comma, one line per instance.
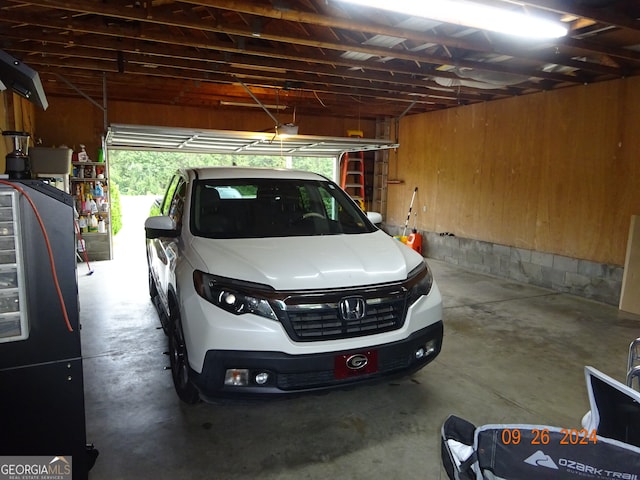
[319, 56]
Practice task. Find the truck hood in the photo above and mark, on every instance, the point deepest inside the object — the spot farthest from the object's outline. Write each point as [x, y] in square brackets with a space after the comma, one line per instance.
[300, 263]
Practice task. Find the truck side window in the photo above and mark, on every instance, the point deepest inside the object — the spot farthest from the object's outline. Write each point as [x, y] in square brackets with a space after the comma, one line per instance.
[177, 203]
[168, 196]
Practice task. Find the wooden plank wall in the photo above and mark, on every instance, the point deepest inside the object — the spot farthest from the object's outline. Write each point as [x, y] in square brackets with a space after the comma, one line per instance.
[553, 172]
[629, 298]
[16, 114]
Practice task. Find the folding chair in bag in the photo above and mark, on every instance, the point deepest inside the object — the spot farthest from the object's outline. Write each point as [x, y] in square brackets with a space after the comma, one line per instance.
[606, 447]
[633, 365]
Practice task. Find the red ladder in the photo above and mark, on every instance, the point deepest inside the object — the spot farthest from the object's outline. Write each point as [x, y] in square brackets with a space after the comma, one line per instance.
[352, 172]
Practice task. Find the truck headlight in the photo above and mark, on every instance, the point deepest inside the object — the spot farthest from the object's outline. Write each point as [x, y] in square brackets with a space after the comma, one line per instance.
[419, 282]
[232, 295]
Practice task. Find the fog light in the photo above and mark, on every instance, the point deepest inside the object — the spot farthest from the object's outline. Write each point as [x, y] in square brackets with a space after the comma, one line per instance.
[430, 347]
[419, 353]
[238, 377]
[262, 378]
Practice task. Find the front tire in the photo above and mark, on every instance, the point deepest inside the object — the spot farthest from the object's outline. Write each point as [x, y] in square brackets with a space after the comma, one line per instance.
[180, 363]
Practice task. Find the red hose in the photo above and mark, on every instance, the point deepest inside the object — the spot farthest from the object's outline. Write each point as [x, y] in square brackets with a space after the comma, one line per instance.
[49, 251]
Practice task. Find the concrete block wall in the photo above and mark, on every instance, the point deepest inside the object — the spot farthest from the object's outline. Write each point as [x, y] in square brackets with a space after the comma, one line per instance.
[587, 279]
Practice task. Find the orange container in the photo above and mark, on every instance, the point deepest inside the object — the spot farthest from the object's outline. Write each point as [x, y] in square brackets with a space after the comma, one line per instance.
[415, 241]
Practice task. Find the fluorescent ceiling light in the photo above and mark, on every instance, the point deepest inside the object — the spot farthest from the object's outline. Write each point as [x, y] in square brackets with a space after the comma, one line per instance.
[252, 105]
[472, 14]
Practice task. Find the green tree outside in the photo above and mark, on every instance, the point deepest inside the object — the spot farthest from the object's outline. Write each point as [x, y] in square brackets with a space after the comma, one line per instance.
[147, 173]
[116, 208]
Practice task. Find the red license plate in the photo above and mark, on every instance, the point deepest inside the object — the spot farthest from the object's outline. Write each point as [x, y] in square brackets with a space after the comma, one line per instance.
[355, 364]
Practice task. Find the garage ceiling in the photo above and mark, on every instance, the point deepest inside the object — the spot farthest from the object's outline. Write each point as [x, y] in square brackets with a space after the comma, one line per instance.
[309, 57]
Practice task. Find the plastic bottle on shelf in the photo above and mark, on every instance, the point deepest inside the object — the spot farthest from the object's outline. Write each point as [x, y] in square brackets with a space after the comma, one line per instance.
[93, 223]
[83, 156]
[82, 223]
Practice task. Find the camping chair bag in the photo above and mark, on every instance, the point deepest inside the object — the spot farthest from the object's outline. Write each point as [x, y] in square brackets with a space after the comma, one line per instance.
[529, 452]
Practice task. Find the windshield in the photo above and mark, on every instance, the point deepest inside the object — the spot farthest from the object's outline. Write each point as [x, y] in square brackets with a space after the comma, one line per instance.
[252, 208]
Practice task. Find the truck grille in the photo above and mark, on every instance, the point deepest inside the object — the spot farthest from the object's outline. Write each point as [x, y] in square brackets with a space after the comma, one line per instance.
[322, 316]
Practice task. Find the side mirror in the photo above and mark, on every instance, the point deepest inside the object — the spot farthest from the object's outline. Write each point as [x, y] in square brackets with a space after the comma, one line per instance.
[375, 217]
[162, 226]
[154, 211]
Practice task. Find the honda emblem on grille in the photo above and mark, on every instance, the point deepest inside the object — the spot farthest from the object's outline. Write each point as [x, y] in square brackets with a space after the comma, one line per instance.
[352, 308]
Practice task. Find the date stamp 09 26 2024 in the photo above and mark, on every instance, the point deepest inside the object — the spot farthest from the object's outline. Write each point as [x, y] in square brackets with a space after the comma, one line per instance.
[569, 436]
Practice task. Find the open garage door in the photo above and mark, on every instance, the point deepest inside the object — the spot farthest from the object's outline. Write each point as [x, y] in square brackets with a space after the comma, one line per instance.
[139, 137]
[292, 148]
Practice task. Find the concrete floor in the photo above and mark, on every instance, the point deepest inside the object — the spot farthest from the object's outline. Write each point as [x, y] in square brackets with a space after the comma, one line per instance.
[512, 353]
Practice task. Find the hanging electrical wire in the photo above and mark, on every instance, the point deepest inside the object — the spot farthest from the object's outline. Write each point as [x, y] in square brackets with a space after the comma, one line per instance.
[318, 98]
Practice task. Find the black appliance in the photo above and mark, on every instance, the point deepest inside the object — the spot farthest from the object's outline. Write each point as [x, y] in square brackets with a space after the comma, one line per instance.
[42, 410]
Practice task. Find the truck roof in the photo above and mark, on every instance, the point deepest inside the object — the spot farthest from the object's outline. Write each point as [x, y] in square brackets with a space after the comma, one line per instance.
[205, 173]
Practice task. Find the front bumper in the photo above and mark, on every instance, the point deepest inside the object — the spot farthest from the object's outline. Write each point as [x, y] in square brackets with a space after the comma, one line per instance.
[294, 374]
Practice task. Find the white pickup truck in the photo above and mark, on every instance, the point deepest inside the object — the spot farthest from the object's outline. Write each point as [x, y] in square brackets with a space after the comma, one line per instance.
[271, 282]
